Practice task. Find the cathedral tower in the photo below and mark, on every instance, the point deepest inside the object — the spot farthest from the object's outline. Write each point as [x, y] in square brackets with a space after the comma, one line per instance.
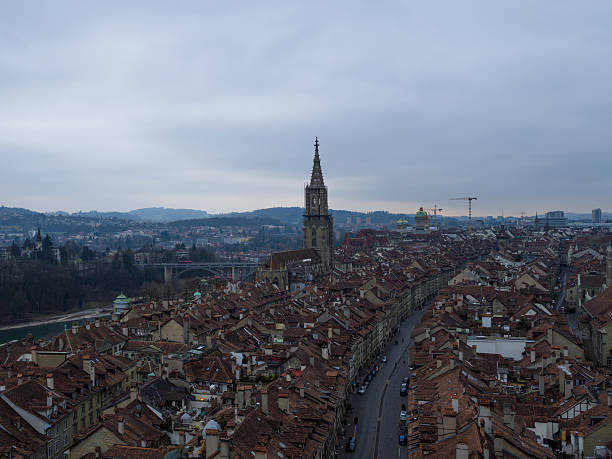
[318, 222]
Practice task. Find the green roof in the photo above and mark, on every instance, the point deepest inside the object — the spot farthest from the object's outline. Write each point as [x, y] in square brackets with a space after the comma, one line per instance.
[121, 297]
[197, 294]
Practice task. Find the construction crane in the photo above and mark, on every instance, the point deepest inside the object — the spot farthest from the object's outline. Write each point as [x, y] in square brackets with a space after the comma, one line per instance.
[469, 199]
[435, 211]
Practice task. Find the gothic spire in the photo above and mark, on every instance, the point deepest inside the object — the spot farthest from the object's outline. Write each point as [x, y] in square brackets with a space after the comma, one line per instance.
[317, 175]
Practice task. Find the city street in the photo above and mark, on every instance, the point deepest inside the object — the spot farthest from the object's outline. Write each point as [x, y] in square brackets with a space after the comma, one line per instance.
[572, 318]
[379, 408]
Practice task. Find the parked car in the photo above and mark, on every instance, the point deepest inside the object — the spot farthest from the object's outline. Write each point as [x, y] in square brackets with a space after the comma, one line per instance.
[403, 416]
[384, 359]
[351, 445]
[403, 440]
[406, 380]
[403, 391]
[362, 389]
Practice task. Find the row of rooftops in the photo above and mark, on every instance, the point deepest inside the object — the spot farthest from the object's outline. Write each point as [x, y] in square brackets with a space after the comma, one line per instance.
[306, 339]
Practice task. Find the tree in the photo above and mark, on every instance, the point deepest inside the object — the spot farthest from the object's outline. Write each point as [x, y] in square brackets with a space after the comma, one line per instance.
[15, 251]
[47, 249]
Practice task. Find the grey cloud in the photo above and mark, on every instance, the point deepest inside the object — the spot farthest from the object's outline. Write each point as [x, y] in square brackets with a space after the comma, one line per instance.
[210, 106]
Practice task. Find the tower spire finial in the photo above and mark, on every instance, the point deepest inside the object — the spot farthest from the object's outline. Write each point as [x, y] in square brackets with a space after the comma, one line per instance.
[316, 180]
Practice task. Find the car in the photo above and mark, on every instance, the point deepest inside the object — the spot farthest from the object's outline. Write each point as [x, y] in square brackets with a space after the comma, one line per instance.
[403, 391]
[369, 378]
[384, 359]
[403, 440]
[351, 445]
[406, 380]
[362, 389]
[403, 416]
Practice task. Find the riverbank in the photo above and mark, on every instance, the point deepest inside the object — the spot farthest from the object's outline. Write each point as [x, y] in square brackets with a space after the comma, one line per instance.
[79, 315]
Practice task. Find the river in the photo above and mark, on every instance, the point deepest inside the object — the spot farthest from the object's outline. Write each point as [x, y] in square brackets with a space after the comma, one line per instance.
[42, 331]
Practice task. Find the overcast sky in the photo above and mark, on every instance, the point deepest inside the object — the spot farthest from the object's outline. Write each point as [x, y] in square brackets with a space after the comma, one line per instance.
[121, 105]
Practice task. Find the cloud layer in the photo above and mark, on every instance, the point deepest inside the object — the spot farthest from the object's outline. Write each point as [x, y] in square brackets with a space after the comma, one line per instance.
[115, 106]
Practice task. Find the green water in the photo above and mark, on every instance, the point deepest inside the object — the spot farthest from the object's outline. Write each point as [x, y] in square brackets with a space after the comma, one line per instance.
[38, 331]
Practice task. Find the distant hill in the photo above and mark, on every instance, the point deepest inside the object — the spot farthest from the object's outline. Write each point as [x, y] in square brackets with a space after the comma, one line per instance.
[226, 221]
[163, 214]
[294, 215]
[117, 215]
[287, 215]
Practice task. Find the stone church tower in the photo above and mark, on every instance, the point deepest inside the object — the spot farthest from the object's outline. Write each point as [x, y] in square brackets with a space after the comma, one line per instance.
[318, 222]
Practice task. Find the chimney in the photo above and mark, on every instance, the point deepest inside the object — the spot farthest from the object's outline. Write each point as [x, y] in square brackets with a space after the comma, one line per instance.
[452, 363]
[462, 451]
[50, 381]
[186, 326]
[261, 452]
[325, 353]
[90, 369]
[212, 442]
[565, 352]
[124, 330]
[288, 377]
[449, 424]
[330, 332]
[311, 361]
[49, 399]
[438, 363]
[224, 448]
[120, 425]
[240, 397]
[34, 353]
[97, 322]
[549, 335]
[87, 325]
[264, 401]
[133, 391]
[461, 356]
[455, 403]
[301, 386]
[74, 329]
[248, 400]
[509, 414]
[283, 403]
[532, 355]
[541, 387]
[19, 378]
[569, 386]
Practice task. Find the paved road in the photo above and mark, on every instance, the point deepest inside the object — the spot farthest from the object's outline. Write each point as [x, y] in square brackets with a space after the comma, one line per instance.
[572, 319]
[378, 409]
[563, 285]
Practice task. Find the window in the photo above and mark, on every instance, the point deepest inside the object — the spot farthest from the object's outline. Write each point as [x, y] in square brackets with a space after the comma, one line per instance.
[314, 237]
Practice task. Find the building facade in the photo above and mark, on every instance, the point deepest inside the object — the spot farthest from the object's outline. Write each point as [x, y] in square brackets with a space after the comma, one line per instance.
[421, 221]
